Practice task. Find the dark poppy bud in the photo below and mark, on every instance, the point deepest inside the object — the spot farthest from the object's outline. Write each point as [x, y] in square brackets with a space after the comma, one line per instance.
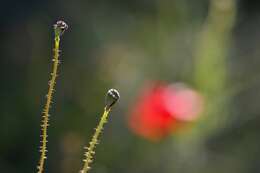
[60, 27]
[112, 97]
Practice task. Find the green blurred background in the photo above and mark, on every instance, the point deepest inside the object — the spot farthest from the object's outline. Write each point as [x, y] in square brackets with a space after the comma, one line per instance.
[212, 46]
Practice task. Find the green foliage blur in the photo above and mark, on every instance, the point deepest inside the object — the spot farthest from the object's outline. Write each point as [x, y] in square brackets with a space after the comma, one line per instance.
[211, 45]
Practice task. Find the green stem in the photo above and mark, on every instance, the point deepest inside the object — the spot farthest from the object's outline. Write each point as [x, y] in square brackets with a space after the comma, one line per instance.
[45, 116]
[90, 151]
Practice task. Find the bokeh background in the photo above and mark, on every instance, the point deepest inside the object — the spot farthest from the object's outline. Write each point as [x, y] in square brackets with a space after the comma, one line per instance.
[212, 46]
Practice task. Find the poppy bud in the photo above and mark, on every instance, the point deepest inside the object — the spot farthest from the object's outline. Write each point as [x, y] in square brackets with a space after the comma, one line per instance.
[60, 27]
[112, 97]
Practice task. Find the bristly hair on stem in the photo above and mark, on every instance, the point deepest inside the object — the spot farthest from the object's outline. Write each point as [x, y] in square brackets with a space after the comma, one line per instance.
[111, 98]
[59, 29]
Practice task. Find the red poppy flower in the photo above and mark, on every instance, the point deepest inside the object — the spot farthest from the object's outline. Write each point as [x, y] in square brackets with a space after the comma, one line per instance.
[160, 109]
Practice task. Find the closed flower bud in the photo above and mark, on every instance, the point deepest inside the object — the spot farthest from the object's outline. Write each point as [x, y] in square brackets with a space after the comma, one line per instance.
[60, 27]
[112, 97]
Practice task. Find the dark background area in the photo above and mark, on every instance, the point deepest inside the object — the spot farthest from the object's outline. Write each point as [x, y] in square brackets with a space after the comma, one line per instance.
[122, 44]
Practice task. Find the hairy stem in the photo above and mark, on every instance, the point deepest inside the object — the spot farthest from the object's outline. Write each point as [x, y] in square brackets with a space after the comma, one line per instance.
[45, 116]
[90, 151]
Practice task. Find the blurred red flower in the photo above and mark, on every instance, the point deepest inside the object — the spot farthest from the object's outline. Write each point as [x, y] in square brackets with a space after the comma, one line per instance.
[162, 109]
